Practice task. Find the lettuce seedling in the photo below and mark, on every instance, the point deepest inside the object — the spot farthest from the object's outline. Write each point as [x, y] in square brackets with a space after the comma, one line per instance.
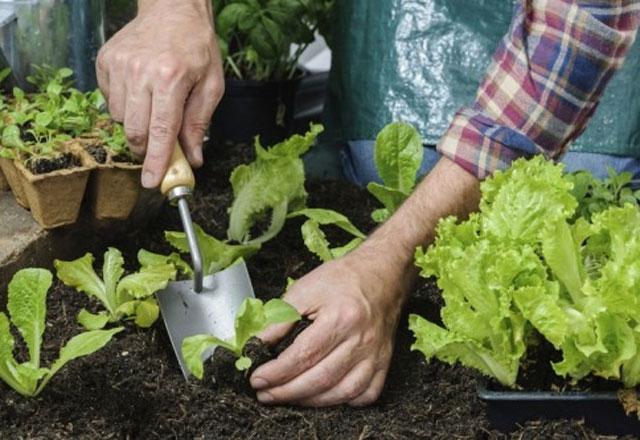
[398, 155]
[216, 255]
[526, 261]
[271, 185]
[316, 241]
[27, 310]
[130, 296]
[253, 317]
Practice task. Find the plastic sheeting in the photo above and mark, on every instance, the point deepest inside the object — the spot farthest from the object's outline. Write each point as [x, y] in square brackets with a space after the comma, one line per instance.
[419, 61]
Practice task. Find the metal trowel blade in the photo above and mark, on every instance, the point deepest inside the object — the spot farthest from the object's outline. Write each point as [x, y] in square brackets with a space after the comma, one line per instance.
[212, 311]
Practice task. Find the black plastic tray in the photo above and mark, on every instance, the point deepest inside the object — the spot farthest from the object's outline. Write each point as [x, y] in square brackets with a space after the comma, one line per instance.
[601, 411]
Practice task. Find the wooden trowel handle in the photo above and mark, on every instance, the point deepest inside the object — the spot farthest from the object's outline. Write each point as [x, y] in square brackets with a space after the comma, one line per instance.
[179, 172]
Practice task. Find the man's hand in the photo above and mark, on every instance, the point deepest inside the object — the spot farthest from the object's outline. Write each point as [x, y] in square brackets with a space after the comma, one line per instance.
[355, 303]
[344, 355]
[162, 77]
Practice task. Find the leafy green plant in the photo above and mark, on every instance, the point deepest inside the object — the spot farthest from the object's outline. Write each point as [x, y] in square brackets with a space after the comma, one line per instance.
[36, 126]
[271, 185]
[130, 296]
[595, 195]
[27, 311]
[216, 255]
[397, 155]
[253, 317]
[316, 241]
[527, 265]
[256, 36]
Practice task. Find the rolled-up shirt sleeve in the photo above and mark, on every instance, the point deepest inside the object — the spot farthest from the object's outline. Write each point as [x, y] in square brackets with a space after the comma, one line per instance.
[544, 82]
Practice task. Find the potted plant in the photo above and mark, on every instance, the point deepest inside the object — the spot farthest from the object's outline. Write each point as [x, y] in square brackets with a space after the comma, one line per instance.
[53, 139]
[541, 292]
[261, 69]
[114, 187]
[45, 169]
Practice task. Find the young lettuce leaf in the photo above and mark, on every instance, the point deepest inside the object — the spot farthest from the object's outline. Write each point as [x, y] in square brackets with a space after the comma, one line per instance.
[398, 156]
[315, 239]
[272, 185]
[130, 296]
[216, 255]
[27, 310]
[253, 317]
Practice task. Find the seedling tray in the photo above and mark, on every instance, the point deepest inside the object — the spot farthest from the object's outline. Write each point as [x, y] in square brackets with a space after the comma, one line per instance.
[600, 410]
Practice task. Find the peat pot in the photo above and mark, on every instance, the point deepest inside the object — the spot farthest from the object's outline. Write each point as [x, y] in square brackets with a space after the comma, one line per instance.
[114, 186]
[251, 108]
[601, 410]
[54, 198]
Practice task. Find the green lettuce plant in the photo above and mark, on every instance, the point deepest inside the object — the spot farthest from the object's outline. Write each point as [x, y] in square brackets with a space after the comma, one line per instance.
[537, 261]
[270, 187]
[398, 154]
[129, 296]
[316, 241]
[217, 255]
[253, 317]
[27, 311]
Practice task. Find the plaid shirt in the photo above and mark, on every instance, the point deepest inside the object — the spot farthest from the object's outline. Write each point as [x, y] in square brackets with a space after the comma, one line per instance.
[544, 82]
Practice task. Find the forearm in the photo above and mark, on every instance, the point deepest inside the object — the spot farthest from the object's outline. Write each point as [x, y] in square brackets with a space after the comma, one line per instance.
[447, 190]
[544, 82]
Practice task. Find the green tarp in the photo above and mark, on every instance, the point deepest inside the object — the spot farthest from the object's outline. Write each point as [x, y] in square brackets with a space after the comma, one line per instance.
[419, 61]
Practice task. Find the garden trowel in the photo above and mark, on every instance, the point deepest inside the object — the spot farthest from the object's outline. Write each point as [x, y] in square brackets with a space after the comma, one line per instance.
[206, 304]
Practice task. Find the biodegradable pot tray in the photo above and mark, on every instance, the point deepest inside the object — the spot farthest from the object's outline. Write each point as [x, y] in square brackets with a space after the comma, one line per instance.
[54, 198]
[114, 190]
[601, 410]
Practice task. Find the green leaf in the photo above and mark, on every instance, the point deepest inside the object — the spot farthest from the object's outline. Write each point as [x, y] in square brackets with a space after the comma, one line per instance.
[398, 155]
[434, 341]
[243, 363]
[112, 271]
[147, 313]
[145, 282]
[517, 203]
[216, 255]
[8, 366]
[27, 307]
[314, 237]
[91, 321]
[390, 198]
[329, 217]
[80, 275]
[193, 349]
[80, 345]
[146, 258]
[229, 17]
[278, 311]
[271, 185]
[253, 317]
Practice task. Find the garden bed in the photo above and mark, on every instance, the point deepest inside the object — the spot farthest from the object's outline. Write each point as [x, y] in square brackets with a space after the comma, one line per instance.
[134, 389]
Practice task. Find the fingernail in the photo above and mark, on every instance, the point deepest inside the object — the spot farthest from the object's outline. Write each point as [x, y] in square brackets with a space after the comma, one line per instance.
[259, 383]
[147, 179]
[265, 397]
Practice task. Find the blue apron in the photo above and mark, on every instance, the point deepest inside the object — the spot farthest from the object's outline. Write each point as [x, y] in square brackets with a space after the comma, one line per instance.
[419, 61]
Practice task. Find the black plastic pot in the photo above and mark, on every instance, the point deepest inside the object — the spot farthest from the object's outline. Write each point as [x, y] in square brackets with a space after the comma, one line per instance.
[601, 411]
[251, 108]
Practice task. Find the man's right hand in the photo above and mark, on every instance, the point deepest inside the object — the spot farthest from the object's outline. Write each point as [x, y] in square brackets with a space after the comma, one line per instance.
[162, 77]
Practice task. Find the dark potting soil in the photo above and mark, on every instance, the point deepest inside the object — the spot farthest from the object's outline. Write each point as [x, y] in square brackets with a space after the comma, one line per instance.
[134, 389]
[98, 153]
[47, 165]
